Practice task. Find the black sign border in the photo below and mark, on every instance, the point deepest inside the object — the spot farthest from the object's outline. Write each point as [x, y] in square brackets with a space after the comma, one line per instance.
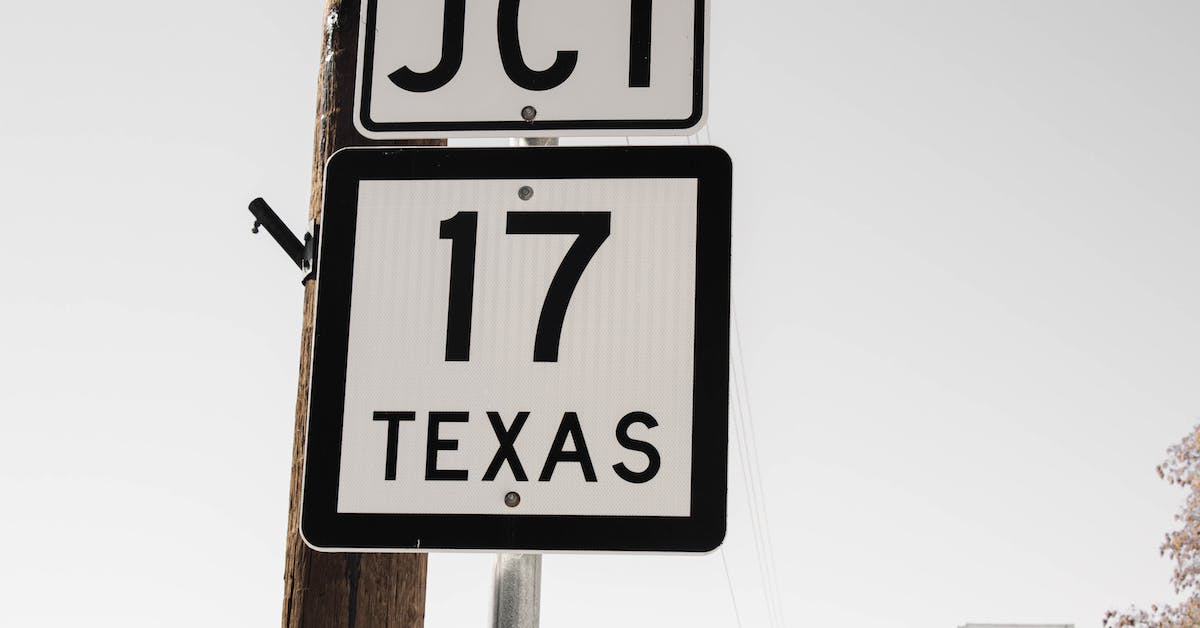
[323, 528]
[367, 70]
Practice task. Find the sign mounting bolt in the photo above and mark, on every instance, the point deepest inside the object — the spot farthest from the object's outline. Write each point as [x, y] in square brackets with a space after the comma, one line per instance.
[525, 193]
[512, 499]
[528, 113]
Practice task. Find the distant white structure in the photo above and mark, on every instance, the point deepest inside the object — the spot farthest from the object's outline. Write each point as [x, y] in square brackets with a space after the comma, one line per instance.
[1018, 626]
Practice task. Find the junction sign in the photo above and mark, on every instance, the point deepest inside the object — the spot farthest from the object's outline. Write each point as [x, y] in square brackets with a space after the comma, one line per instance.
[537, 68]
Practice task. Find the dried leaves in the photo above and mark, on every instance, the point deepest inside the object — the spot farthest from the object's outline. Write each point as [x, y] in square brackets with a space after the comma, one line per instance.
[1181, 468]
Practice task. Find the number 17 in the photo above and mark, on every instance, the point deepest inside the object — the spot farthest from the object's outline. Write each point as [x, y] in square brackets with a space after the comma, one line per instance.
[592, 229]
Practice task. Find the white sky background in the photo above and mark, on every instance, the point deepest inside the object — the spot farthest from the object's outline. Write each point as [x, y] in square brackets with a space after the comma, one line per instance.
[964, 267]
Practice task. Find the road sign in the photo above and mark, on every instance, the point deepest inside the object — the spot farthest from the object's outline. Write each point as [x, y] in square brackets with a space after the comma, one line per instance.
[533, 69]
[521, 349]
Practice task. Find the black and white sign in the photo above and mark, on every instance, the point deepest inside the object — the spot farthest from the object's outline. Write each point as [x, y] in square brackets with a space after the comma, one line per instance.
[532, 68]
[521, 349]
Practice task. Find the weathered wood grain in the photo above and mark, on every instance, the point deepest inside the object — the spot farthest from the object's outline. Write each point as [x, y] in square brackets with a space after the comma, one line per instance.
[340, 590]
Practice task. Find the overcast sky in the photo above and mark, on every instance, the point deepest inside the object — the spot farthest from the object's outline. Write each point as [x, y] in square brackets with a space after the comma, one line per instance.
[965, 246]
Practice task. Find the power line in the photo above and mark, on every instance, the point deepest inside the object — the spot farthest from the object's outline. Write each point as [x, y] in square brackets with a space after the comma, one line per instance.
[756, 481]
[732, 596]
[751, 471]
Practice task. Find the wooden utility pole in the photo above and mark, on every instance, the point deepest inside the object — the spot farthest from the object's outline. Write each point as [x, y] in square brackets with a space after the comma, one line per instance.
[340, 590]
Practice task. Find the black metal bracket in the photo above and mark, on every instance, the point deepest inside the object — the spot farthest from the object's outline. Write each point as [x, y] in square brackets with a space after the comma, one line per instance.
[304, 255]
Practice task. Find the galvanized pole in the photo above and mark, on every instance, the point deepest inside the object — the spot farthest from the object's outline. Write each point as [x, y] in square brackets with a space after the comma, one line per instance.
[517, 590]
[517, 596]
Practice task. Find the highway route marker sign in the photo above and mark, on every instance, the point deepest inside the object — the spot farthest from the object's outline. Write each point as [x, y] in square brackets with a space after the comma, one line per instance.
[538, 68]
[521, 349]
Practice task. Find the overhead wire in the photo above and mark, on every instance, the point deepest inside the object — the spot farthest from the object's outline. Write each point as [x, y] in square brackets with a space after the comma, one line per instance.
[737, 615]
[742, 457]
[751, 471]
[751, 467]
[740, 438]
[758, 492]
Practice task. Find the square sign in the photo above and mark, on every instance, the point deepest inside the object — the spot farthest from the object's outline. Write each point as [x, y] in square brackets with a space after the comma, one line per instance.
[521, 349]
[534, 68]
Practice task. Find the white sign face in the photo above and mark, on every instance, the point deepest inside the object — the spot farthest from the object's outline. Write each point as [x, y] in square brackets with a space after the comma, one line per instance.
[620, 350]
[532, 68]
[518, 337]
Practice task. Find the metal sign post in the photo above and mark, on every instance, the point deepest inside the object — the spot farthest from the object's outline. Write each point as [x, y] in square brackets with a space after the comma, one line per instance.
[517, 595]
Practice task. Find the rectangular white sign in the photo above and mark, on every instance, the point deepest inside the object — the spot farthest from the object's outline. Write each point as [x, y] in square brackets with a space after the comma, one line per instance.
[534, 68]
[521, 349]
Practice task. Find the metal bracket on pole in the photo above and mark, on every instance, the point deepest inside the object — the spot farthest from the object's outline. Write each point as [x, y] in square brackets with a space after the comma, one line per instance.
[517, 596]
[303, 255]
